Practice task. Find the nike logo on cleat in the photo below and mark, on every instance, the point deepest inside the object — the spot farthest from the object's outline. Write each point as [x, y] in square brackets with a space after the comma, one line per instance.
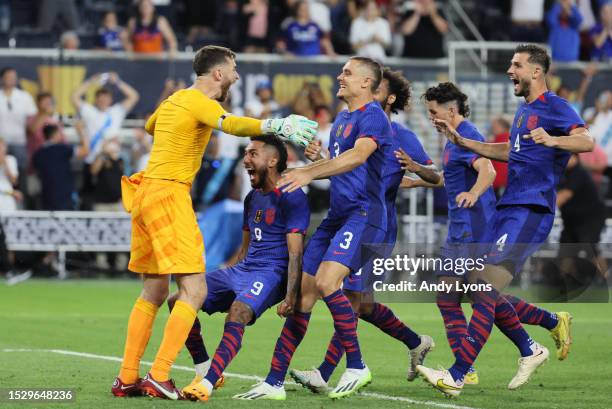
[169, 395]
[441, 384]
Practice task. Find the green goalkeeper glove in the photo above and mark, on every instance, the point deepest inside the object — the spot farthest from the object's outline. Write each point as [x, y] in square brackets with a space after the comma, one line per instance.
[294, 128]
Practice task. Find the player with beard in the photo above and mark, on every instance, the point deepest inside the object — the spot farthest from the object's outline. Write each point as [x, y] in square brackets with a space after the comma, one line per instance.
[545, 131]
[266, 269]
[166, 238]
[359, 143]
[394, 95]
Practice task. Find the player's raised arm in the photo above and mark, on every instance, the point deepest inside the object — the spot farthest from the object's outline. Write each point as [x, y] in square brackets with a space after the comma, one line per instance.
[428, 174]
[579, 140]
[494, 151]
[322, 169]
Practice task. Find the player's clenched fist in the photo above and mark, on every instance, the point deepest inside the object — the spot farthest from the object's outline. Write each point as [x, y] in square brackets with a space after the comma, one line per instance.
[540, 136]
[313, 150]
[466, 199]
[285, 308]
[294, 128]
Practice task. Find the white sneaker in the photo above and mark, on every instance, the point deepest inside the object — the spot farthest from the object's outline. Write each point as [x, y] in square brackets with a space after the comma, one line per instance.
[528, 365]
[418, 354]
[263, 391]
[351, 381]
[441, 379]
[310, 379]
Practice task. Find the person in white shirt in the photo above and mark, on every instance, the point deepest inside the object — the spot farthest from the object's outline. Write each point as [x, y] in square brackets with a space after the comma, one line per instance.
[15, 107]
[103, 117]
[370, 33]
[527, 18]
[8, 179]
[264, 106]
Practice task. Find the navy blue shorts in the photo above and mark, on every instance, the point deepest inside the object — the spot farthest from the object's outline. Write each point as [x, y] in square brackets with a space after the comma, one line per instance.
[343, 241]
[518, 232]
[259, 286]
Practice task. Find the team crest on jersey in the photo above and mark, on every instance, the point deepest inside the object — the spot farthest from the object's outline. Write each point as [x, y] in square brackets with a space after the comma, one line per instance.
[520, 121]
[446, 156]
[258, 215]
[270, 214]
[339, 130]
[532, 122]
[347, 130]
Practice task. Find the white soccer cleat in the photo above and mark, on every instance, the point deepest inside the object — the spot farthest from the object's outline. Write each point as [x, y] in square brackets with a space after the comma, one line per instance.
[310, 379]
[351, 381]
[528, 365]
[263, 391]
[441, 379]
[418, 354]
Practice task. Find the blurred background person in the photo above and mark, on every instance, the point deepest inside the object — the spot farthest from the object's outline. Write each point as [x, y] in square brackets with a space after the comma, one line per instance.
[111, 36]
[601, 34]
[264, 105]
[9, 195]
[69, 40]
[147, 31]
[51, 12]
[16, 106]
[564, 19]
[500, 133]
[423, 29]
[370, 34]
[256, 13]
[302, 36]
[527, 21]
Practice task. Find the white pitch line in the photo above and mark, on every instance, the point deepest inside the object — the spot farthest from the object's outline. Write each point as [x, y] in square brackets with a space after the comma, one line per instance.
[235, 375]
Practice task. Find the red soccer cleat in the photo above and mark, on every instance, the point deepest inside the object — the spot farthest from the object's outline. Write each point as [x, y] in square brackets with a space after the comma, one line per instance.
[163, 390]
[124, 390]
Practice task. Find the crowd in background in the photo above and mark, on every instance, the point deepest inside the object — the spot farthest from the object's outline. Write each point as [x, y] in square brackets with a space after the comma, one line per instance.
[574, 29]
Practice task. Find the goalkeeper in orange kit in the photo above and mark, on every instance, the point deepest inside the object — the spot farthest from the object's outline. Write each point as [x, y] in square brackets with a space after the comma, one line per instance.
[165, 235]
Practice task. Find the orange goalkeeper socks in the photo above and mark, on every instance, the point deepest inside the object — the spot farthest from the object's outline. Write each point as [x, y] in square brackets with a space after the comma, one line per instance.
[177, 329]
[139, 330]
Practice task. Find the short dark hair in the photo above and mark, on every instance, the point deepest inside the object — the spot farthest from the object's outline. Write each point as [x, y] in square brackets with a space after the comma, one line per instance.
[398, 86]
[210, 56]
[447, 92]
[102, 91]
[537, 55]
[42, 95]
[280, 147]
[4, 70]
[375, 68]
[49, 131]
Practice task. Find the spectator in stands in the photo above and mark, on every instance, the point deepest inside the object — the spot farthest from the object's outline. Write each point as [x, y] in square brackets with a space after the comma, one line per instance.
[141, 149]
[370, 33]
[256, 13]
[264, 106]
[106, 171]
[576, 99]
[321, 15]
[527, 18]
[324, 118]
[69, 40]
[9, 196]
[599, 119]
[200, 18]
[103, 117]
[302, 36]
[586, 8]
[45, 116]
[500, 129]
[170, 87]
[602, 35]
[111, 36]
[51, 10]
[563, 21]
[307, 99]
[15, 107]
[52, 163]
[148, 31]
[423, 29]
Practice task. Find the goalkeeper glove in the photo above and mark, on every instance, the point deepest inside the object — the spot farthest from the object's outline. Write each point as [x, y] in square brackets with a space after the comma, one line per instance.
[294, 128]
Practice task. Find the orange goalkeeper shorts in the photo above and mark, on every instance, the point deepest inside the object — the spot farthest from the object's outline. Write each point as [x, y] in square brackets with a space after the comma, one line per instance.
[166, 238]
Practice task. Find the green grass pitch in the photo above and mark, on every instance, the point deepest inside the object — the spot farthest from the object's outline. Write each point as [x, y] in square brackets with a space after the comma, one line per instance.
[91, 317]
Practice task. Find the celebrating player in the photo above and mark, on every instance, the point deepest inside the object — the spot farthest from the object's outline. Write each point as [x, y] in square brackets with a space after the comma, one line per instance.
[545, 130]
[393, 94]
[165, 234]
[270, 256]
[359, 140]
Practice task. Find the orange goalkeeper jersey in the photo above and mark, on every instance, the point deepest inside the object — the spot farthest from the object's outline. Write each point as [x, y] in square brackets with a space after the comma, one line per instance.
[181, 128]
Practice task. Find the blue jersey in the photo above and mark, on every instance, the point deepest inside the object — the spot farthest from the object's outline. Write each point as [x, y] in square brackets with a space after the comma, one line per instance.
[303, 40]
[268, 217]
[405, 139]
[534, 170]
[360, 191]
[466, 224]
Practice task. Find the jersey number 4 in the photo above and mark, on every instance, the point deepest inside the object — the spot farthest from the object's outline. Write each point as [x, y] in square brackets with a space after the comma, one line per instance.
[517, 143]
[501, 242]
